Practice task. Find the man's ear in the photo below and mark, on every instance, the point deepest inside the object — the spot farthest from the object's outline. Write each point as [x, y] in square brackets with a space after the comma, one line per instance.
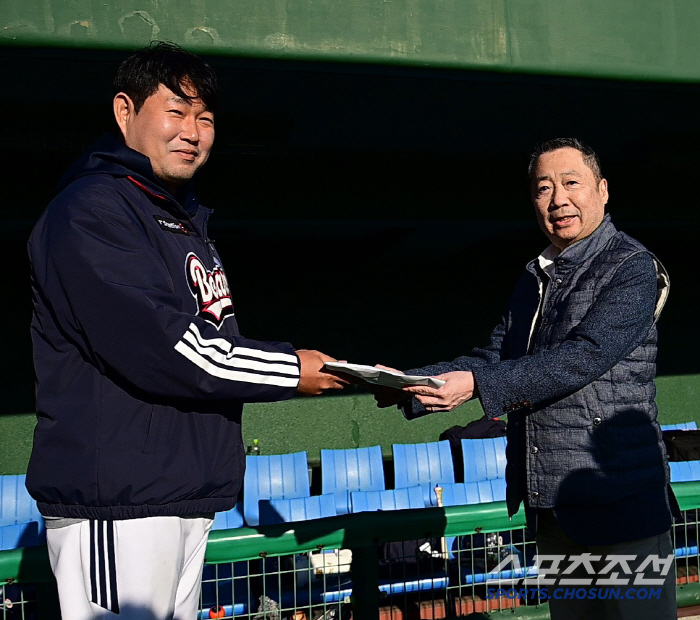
[123, 111]
[603, 190]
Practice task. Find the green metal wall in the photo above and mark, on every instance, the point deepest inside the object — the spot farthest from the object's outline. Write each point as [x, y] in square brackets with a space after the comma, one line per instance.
[633, 39]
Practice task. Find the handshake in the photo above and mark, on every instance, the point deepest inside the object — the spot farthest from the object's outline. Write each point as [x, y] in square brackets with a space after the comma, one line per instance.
[390, 387]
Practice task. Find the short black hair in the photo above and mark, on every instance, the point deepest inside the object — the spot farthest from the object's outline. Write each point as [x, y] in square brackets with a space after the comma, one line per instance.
[168, 64]
[590, 158]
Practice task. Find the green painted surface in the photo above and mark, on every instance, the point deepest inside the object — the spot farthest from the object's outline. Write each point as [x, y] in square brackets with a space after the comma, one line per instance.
[687, 494]
[342, 422]
[636, 39]
[346, 422]
[16, 433]
[678, 398]
[354, 421]
[688, 595]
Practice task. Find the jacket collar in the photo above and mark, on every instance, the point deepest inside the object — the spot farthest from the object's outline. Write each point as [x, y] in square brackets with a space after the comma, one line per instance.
[588, 246]
[580, 251]
[109, 155]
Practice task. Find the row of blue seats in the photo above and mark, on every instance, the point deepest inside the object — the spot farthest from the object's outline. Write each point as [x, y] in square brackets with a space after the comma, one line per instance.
[681, 426]
[277, 487]
[284, 510]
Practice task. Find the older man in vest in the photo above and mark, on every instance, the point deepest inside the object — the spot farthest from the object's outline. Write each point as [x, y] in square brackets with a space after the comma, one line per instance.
[572, 363]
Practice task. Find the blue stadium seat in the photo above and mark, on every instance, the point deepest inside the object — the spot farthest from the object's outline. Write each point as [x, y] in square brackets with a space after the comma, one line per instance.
[481, 492]
[229, 520]
[355, 469]
[424, 464]
[21, 524]
[297, 509]
[681, 426]
[684, 471]
[397, 499]
[31, 534]
[484, 459]
[276, 476]
[16, 505]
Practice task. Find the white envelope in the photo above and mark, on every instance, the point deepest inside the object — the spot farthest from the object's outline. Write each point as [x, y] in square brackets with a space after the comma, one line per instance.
[379, 376]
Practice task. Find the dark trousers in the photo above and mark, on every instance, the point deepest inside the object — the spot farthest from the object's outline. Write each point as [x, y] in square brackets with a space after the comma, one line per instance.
[592, 598]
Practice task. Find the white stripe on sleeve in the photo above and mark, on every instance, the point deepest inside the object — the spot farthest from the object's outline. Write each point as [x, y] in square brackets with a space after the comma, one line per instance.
[219, 358]
[225, 345]
[230, 361]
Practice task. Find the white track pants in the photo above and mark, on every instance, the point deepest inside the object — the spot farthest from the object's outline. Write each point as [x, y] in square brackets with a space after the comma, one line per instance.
[140, 569]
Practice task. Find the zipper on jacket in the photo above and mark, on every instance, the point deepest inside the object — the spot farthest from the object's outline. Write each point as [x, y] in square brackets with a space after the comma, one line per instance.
[181, 211]
[538, 314]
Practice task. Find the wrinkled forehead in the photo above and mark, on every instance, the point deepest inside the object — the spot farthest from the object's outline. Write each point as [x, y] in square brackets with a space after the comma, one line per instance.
[558, 163]
[565, 160]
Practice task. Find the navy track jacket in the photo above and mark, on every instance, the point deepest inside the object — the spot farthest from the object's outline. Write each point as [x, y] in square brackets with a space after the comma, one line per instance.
[141, 370]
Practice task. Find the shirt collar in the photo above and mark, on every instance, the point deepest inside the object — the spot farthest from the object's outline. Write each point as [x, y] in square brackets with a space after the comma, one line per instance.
[546, 259]
[576, 253]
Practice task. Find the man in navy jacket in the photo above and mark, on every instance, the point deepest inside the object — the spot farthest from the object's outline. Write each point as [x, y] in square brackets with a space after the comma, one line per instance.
[572, 364]
[141, 370]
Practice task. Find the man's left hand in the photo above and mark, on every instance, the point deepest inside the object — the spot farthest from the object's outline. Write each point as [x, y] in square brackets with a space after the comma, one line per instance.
[458, 389]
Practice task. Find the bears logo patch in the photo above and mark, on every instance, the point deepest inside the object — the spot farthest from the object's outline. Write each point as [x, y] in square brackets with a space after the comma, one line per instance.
[210, 289]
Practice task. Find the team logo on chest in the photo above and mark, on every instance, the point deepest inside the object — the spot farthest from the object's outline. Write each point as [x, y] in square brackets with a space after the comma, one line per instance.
[210, 289]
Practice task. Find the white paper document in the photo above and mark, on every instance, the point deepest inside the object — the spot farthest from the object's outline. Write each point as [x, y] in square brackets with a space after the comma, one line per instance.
[379, 376]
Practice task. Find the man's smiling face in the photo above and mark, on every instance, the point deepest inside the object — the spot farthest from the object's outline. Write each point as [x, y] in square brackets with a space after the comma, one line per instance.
[569, 200]
[176, 135]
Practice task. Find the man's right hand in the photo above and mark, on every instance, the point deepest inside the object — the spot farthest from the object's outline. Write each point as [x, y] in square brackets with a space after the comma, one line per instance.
[314, 380]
